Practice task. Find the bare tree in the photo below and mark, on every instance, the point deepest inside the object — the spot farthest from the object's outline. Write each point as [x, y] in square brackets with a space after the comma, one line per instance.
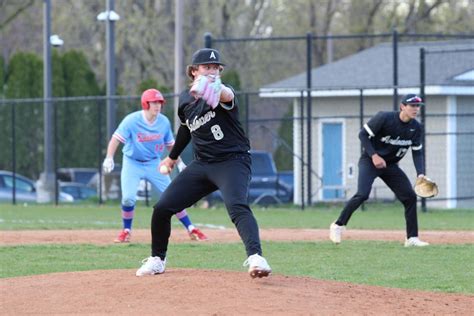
[419, 11]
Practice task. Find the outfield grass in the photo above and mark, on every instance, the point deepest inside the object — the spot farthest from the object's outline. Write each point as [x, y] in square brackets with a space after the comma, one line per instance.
[375, 216]
[445, 268]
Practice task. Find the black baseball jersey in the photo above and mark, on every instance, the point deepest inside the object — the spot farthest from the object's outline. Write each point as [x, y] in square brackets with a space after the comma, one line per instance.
[390, 137]
[216, 133]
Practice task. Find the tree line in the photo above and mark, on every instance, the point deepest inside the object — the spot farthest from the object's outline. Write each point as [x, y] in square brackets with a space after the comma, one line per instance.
[145, 55]
[145, 31]
[79, 123]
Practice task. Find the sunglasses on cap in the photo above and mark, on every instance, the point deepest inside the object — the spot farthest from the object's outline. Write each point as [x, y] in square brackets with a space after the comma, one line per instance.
[413, 100]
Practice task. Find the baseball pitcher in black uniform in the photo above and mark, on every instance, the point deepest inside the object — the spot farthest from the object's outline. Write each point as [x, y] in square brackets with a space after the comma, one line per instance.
[386, 138]
[222, 161]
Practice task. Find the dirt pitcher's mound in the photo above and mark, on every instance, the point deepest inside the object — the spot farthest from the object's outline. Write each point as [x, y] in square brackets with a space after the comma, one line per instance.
[210, 292]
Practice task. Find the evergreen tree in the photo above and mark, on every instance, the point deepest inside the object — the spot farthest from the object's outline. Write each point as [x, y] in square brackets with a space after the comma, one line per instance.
[232, 78]
[58, 80]
[5, 122]
[25, 80]
[78, 124]
[2, 76]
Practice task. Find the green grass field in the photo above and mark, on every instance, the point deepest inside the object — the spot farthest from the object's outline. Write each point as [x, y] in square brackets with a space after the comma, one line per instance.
[444, 268]
[87, 216]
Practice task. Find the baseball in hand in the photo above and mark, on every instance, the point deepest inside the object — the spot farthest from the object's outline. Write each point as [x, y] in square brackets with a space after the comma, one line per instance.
[164, 169]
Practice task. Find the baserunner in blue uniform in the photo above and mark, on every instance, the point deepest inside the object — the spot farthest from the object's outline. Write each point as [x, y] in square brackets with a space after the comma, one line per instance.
[145, 134]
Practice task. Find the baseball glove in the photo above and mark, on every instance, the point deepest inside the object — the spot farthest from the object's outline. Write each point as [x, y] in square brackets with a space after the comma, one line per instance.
[425, 187]
[208, 88]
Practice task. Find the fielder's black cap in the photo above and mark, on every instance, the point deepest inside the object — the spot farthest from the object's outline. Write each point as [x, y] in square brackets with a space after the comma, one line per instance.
[412, 99]
[207, 56]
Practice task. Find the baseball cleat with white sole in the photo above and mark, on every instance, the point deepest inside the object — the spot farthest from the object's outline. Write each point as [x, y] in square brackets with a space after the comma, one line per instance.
[415, 242]
[335, 233]
[258, 266]
[151, 266]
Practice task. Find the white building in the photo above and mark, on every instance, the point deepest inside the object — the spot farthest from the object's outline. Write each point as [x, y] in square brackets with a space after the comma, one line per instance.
[449, 110]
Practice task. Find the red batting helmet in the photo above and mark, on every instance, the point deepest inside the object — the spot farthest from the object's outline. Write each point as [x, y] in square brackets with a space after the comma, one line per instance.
[151, 95]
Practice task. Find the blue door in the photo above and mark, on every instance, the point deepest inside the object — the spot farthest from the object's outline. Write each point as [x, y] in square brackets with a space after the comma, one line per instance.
[332, 161]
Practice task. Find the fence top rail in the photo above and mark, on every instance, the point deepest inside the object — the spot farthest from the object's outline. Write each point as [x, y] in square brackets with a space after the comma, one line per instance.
[78, 98]
[459, 50]
[438, 35]
[342, 36]
[278, 38]
[302, 91]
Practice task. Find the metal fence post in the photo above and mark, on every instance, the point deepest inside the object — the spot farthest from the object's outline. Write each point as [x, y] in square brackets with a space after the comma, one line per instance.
[208, 40]
[395, 69]
[13, 154]
[423, 121]
[361, 125]
[302, 148]
[55, 153]
[309, 44]
[99, 149]
[247, 114]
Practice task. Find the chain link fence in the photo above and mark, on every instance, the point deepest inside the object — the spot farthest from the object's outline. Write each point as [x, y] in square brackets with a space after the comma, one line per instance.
[310, 131]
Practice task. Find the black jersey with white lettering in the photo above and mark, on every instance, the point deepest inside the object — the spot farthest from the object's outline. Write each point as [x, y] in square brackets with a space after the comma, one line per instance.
[390, 137]
[216, 133]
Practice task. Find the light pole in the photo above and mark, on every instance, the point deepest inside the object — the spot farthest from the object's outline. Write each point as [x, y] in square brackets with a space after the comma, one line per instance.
[46, 183]
[110, 16]
[178, 58]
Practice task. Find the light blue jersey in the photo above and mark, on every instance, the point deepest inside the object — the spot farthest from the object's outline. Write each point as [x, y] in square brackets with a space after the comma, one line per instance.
[144, 141]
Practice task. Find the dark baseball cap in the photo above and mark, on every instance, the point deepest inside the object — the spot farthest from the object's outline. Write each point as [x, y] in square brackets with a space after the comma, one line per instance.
[412, 99]
[207, 56]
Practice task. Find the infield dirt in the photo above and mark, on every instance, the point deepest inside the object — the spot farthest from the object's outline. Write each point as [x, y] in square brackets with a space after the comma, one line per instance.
[208, 292]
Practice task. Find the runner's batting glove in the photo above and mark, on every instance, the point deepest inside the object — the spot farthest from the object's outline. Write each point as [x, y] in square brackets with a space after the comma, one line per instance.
[108, 165]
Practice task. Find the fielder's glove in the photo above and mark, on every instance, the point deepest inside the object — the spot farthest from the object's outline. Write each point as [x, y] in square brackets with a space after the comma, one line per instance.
[108, 165]
[208, 88]
[425, 187]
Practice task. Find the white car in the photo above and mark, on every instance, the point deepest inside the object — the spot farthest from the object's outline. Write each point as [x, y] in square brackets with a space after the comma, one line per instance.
[25, 189]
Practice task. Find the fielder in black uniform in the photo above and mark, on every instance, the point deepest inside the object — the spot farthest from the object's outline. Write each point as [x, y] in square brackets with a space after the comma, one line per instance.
[222, 161]
[386, 138]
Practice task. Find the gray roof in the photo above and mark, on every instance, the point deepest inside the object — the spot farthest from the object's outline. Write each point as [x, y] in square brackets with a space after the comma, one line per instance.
[372, 67]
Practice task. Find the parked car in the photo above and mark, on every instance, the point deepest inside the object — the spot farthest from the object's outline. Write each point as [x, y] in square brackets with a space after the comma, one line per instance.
[89, 178]
[25, 189]
[287, 177]
[79, 191]
[266, 187]
[79, 175]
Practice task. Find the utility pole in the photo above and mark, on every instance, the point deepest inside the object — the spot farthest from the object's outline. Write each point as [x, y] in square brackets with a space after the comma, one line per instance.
[178, 58]
[110, 16]
[46, 183]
